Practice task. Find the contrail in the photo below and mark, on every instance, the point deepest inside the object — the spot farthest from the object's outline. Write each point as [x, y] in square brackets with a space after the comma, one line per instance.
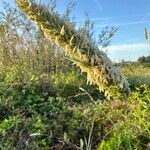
[147, 15]
[132, 23]
[98, 4]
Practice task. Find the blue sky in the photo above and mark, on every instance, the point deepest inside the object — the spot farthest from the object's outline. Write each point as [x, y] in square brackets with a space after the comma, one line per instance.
[131, 16]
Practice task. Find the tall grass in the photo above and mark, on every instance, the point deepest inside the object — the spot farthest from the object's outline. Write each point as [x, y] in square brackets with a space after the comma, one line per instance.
[80, 47]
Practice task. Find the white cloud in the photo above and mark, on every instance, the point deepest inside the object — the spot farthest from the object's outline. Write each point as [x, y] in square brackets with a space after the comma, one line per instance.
[127, 51]
[128, 47]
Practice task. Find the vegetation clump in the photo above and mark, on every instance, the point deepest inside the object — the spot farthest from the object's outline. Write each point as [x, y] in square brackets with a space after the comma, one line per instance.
[79, 47]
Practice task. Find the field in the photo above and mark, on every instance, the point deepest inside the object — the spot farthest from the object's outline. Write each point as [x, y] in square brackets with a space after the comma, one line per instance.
[46, 103]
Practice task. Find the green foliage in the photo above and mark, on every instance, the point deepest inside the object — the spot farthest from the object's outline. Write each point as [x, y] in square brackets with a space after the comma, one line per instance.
[38, 117]
[34, 120]
[137, 75]
[144, 59]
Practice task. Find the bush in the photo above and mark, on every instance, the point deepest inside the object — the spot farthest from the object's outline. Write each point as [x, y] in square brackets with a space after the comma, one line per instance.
[31, 119]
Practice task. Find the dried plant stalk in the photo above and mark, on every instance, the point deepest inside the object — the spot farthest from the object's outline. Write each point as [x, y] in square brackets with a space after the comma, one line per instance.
[79, 47]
